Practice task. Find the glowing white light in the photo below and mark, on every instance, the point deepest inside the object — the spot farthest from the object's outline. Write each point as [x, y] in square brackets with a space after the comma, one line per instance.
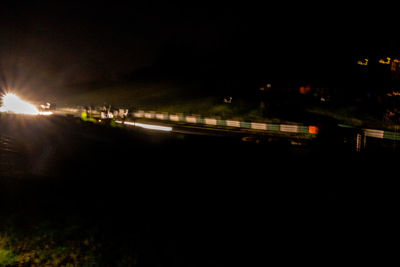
[153, 127]
[45, 113]
[12, 103]
[147, 126]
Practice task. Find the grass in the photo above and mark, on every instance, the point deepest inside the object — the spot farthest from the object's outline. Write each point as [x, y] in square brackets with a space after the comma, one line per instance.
[167, 97]
[52, 243]
[175, 98]
[141, 95]
[355, 116]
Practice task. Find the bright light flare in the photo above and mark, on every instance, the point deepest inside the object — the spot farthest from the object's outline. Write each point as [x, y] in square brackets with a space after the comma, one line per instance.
[12, 103]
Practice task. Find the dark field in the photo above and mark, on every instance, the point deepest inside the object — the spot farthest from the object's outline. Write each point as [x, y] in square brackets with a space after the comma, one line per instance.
[92, 195]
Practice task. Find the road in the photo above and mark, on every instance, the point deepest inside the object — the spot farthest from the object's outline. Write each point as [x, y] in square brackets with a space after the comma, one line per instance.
[214, 195]
[326, 130]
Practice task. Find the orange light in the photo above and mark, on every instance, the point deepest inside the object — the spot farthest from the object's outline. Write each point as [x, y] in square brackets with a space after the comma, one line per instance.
[363, 63]
[313, 129]
[388, 59]
[305, 89]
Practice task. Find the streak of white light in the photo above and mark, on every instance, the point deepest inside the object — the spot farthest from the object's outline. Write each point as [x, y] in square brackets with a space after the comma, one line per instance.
[147, 126]
[45, 113]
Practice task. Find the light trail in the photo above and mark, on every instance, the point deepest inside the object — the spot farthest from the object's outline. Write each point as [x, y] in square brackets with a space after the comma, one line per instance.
[147, 126]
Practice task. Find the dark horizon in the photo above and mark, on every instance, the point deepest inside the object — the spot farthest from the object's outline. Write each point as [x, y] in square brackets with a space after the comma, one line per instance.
[59, 45]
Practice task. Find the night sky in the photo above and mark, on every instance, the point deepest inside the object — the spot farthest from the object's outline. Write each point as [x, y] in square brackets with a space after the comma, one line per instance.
[59, 44]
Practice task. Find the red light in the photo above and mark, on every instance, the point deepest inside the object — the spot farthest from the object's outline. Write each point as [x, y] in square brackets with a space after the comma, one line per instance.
[313, 129]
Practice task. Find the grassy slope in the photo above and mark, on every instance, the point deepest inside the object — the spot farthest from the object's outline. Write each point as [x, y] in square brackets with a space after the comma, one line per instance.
[162, 97]
[173, 98]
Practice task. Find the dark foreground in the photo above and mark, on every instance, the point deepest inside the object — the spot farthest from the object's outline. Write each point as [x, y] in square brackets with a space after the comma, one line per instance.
[91, 195]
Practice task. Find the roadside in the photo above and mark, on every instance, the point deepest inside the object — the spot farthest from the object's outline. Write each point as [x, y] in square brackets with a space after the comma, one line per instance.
[288, 107]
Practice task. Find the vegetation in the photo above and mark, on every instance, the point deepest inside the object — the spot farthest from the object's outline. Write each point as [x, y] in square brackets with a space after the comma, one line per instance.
[55, 243]
[174, 98]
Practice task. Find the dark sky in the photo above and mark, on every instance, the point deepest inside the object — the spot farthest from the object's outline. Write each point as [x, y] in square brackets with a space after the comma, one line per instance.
[56, 43]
